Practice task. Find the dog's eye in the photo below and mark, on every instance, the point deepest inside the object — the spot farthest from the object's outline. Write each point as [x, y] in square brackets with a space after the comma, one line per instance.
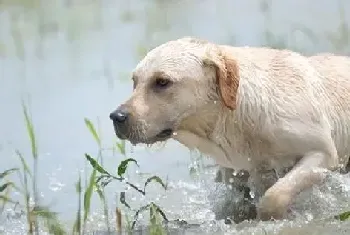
[162, 82]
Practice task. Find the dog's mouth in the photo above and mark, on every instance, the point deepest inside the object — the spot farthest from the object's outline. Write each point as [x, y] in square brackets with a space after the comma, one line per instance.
[161, 136]
[165, 134]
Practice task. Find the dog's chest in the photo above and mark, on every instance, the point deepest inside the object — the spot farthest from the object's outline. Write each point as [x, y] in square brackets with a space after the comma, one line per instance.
[241, 153]
[204, 145]
[244, 149]
[238, 152]
[233, 151]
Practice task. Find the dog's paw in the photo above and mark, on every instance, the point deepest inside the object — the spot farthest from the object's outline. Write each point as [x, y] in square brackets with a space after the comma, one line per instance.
[273, 205]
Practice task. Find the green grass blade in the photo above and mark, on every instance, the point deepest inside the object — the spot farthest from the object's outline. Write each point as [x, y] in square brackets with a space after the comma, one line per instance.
[122, 200]
[153, 215]
[161, 212]
[156, 179]
[96, 165]
[26, 172]
[30, 130]
[88, 194]
[50, 220]
[343, 216]
[155, 223]
[5, 190]
[136, 216]
[124, 165]
[5, 186]
[77, 223]
[7, 172]
[34, 149]
[93, 131]
[78, 187]
[24, 164]
[103, 199]
[6, 199]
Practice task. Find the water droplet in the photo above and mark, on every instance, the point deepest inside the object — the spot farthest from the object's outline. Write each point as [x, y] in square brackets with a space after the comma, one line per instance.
[55, 185]
[252, 194]
[175, 133]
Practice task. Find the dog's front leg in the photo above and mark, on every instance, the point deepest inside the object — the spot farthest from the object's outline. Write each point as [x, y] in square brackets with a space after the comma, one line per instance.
[314, 144]
[275, 202]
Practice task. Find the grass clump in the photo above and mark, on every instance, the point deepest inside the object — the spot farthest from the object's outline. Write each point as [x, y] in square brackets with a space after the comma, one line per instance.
[29, 191]
[40, 218]
[5, 188]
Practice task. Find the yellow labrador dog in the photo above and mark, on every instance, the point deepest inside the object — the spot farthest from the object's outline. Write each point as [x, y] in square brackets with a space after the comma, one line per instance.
[248, 108]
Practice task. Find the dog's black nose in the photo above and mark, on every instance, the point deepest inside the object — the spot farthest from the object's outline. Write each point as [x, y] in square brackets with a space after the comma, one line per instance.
[120, 115]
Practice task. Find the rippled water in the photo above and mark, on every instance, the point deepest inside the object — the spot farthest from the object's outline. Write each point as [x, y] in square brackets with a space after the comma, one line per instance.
[72, 59]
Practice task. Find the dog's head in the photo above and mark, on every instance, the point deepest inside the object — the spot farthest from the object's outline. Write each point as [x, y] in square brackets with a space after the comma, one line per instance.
[174, 83]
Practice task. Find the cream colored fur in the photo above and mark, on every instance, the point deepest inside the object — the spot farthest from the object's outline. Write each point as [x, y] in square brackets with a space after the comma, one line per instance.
[288, 108]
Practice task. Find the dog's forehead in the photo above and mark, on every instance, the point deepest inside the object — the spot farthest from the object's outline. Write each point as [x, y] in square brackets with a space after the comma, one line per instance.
[172, 58]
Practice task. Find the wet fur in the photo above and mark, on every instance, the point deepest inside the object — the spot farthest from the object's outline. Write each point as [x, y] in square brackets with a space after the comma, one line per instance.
[251, 107]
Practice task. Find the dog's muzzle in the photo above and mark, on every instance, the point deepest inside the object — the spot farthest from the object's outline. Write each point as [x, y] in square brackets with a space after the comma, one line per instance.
[120, 118]
[125, 127]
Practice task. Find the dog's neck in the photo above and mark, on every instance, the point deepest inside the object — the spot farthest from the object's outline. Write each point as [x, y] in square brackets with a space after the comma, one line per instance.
[202, 123]
[200, 131]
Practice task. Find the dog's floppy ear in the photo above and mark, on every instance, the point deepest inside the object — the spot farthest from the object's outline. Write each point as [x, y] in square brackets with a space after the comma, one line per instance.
[227, 76]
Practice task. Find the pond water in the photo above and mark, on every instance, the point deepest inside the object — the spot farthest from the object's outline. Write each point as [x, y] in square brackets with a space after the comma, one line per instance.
[72, 59]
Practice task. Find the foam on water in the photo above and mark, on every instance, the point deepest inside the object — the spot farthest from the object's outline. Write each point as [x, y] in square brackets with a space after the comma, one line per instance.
[312, 211]
[195, 202]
